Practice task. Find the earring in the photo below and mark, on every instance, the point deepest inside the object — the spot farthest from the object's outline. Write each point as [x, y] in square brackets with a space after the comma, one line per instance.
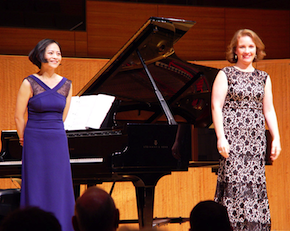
[236, 57]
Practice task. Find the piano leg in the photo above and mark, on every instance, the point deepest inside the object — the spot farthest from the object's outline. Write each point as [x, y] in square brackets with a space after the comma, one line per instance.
[77, 190]
[145, 202]
[145, 189]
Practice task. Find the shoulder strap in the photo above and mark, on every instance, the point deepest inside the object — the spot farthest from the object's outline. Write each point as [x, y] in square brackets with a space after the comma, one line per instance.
[64, 88]
[36, 85]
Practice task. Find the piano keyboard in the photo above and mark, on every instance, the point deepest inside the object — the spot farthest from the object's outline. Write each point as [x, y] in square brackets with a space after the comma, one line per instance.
[86, 160]
[72, 161]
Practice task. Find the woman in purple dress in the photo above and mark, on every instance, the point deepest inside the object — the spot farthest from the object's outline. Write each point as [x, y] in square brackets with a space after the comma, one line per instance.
[46, 171]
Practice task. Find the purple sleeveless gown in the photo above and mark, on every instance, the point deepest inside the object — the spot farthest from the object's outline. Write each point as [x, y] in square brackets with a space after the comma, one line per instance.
[46, 170]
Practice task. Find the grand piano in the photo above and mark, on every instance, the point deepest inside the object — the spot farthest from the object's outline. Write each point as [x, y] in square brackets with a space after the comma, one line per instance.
[158, 123]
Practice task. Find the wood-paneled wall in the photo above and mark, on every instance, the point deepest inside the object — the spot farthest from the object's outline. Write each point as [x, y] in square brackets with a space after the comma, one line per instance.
[111, 24]
[177, 193]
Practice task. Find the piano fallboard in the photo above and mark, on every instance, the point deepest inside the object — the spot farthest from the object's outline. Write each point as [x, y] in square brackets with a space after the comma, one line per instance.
[137, 148]
[97, 154]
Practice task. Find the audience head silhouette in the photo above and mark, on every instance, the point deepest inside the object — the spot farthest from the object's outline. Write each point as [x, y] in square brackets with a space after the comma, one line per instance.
[30, 219]
[95, 210]
[209, 216]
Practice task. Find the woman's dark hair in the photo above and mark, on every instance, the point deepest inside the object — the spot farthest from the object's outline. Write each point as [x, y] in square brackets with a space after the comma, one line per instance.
[260, 47]
[36, 56]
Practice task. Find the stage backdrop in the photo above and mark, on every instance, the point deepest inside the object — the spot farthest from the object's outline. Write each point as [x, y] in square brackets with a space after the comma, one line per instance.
[111, 24]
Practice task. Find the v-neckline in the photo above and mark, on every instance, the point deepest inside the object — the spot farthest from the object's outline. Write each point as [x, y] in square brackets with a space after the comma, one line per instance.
[50, 88]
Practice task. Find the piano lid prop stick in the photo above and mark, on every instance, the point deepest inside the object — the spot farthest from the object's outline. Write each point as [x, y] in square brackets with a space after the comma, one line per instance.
[162, 101]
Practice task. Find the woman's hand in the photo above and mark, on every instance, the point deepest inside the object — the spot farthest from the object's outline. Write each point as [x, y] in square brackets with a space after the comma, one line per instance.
[21, 141]
[275, 149]
[223, 147]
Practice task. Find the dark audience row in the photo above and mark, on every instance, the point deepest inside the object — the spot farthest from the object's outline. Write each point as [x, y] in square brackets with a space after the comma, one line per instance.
[95, 210]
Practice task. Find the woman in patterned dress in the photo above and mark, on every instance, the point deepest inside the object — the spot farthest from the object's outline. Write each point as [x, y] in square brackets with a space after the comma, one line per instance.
[241, 104]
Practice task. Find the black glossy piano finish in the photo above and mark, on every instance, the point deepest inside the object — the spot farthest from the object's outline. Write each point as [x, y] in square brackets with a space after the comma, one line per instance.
[160, 102]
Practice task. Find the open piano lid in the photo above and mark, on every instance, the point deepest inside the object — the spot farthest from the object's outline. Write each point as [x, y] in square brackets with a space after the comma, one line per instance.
[185, 87]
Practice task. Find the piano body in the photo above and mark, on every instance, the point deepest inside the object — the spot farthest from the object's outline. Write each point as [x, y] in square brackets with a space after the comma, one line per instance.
[158, 123]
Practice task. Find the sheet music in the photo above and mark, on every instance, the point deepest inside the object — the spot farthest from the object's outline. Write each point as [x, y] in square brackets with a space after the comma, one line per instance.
[88, 111]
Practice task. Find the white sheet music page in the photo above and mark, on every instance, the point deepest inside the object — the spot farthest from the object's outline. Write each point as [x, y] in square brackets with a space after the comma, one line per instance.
[88, 111]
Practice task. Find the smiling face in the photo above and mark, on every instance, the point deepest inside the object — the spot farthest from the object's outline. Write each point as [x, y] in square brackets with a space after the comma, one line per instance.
[52, 55]
[245, 50]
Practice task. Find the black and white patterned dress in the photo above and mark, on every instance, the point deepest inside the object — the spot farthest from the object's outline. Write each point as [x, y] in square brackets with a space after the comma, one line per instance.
[241, 182]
